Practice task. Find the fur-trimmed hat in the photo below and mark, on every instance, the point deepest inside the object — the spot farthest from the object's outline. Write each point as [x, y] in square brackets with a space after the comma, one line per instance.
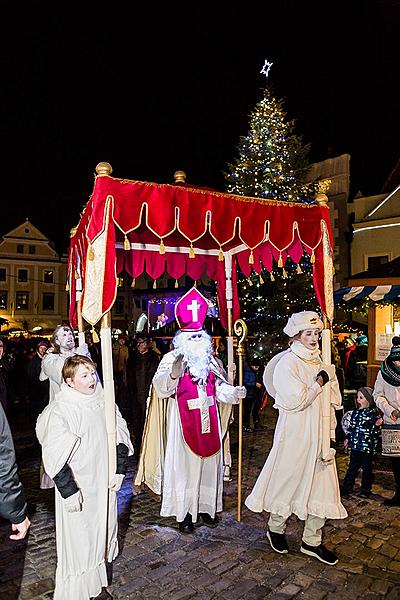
[307, 319]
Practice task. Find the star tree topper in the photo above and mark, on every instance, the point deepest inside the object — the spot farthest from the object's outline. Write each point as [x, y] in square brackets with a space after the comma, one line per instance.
[266, 68]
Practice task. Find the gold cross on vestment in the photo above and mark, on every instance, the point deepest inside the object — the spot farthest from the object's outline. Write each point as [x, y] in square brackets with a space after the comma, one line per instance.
[203, 402]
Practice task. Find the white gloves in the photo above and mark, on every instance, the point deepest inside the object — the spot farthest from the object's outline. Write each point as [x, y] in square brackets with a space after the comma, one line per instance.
[74, 503]
[178, 367]
[240, 392]
[116, 482]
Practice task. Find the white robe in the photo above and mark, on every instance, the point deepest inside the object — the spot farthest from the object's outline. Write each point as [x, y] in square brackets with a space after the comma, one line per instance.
[293, 480]
[190, 484]
[72, 429]
[52, 366]
[387, 398]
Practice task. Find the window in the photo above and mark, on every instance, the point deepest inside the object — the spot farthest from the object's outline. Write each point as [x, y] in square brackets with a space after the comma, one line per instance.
[3, 300]
[374, 262]
[32, 249]
[3, 274]
[48, 301]
[119, 306]
[48, 276]
[22, 300]
[20, 248]
[22, 275]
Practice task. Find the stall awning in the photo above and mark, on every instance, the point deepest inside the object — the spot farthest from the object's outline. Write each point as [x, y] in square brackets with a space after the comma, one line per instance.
[376, 293]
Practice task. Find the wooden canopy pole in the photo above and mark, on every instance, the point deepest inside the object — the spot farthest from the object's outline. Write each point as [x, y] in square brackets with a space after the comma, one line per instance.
[109, 394]
[327, 453]
[240, 329]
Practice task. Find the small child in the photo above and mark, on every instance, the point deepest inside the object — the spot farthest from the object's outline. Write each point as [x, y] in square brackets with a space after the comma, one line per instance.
[362, 436]
[72, 432]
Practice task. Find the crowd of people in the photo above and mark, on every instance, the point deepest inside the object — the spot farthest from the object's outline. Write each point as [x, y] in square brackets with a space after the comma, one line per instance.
[173, 410]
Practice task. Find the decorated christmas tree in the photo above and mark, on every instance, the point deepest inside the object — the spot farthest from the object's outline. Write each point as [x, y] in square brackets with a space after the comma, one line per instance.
[271, 164]
[272, 161]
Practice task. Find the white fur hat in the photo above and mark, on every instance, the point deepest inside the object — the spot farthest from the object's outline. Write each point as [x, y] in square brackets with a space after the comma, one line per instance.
[307, 319]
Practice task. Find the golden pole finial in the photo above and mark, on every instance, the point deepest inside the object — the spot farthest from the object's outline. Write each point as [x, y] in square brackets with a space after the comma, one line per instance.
[322, 187]
[103, 169]
[180, 177]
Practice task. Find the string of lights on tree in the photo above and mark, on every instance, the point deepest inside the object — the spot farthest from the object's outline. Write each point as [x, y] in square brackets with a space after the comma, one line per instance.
[272, 163]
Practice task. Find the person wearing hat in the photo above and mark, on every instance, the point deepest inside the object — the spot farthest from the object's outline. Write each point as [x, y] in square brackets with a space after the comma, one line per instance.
[294, 479]
[387, 399]
[362, 436]
[183, 462]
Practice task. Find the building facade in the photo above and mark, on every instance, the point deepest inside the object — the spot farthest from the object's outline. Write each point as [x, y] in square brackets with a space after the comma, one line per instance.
[32, 281]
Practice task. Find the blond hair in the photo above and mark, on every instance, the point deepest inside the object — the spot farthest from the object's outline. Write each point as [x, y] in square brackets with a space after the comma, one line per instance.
[72, 364]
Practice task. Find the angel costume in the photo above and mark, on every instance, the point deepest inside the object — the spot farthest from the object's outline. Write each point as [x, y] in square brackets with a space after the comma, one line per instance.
[72, 432]
[293, 479]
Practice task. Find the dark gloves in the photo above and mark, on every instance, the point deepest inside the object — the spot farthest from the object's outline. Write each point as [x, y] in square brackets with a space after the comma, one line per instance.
[65, 482]
[324, 375]
[122, 459]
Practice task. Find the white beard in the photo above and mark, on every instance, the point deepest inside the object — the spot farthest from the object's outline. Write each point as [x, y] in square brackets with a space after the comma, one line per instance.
[196, 354]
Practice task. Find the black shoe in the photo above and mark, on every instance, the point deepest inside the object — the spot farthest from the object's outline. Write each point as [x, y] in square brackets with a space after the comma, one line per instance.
[320, 552]
[186, 526]
[395, 501]
[365, 493]
[345, 492]
[278, 542]
[247, 429]
[208, 520]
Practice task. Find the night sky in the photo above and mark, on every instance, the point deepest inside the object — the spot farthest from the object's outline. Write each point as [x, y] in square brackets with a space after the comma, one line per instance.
[153, 90]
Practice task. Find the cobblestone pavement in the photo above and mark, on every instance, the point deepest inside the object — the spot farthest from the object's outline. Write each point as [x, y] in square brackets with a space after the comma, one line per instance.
[229, 562]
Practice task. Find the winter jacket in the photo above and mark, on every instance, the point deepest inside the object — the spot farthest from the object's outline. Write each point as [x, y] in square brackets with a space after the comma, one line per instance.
[363, 433]
[12, 498]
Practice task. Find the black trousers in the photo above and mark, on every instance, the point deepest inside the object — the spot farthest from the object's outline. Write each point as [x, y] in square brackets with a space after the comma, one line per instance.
[359, 460]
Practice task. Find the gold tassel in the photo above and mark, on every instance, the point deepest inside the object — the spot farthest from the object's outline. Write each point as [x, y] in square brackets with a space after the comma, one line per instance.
[127, 244]
[298, 270]
[284, 274]
[95, 337]
[220, 255]
[155, 284]
[280, 261]
[312, 259]
[76, 275]
[90, 252]
[251, 258]
[195, 283]
[162, 247]
[67, 287]
[272, 277]
[133, 282]
[191, 251]
[176, 283]
[261, 279]
[249, 281]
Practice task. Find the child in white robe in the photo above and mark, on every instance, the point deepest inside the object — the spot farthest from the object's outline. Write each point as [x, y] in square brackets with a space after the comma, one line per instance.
[72, 432]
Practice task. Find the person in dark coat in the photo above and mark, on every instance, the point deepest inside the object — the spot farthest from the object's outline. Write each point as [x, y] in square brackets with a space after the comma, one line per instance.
[141, 366]
[6, 366]
[12, 499]
[38, 390]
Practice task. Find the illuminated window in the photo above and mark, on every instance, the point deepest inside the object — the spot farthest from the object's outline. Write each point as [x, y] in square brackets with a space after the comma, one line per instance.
[22, 300]
[3, 300]
[48, 276]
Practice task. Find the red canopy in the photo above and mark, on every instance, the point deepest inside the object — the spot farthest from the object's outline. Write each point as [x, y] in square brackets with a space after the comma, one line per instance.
[147, 227]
